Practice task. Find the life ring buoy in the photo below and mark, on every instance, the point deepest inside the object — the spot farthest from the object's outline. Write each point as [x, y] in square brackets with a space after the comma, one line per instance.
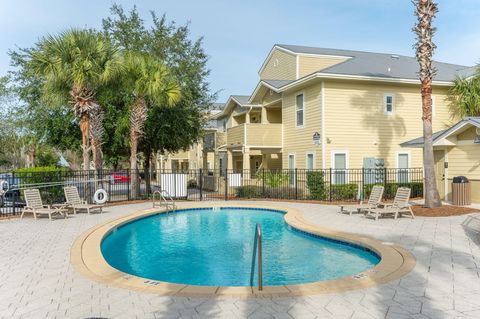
[4, 187]
[100, 196]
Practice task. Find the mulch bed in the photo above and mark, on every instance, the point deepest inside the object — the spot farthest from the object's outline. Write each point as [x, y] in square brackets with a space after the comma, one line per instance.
[444, 211]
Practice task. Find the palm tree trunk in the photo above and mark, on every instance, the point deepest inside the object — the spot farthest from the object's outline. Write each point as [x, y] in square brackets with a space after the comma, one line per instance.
[432, 198]
[138, 116]
[134, 136]
[85, 128]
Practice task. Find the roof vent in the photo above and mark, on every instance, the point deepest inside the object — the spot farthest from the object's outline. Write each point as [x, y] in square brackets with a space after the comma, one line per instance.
[394, 56]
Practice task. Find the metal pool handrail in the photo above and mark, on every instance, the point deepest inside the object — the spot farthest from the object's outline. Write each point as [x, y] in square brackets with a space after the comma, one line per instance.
[163, 196]
[257, 245]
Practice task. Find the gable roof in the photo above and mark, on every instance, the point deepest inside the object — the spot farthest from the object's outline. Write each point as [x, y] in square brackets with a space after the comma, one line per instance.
[437, 136]
[382, 66]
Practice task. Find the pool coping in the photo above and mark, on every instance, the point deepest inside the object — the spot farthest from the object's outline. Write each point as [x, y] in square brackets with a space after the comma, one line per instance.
[87, 259]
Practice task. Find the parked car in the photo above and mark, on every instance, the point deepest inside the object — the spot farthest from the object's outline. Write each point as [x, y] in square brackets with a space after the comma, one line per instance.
[120, 177]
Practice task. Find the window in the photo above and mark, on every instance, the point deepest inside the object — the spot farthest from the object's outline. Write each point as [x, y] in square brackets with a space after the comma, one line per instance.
[299, 110]
[339, 168]
[291, 168]
[403, 164]
[389, 104]
[310, 161]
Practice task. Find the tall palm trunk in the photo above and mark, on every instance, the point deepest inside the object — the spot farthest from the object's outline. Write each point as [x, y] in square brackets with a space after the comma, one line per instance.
[83, 100]
[138, 116]
[425, 12]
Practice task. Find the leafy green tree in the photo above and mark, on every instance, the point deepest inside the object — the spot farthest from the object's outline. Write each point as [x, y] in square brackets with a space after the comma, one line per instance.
[77, 63]
[465, 97]
[186, 62]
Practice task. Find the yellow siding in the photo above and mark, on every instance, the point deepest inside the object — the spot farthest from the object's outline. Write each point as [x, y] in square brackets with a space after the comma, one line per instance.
[356, 121]
[285, 69]
[464, 160]
[275, 161]
[264, 135]
[468, 135]
[181, 155]
[274, 115]
[310, 64]
[235, 136]
[298, 141]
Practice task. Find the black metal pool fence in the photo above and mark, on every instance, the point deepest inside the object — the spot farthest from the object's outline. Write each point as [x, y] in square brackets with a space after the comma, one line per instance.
[327, 185]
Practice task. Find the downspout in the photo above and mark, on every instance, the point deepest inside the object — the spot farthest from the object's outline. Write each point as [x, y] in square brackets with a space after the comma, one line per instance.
[322, 107]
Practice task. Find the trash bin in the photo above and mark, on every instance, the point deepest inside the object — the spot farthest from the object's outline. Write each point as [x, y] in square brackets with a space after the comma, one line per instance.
[461, 194]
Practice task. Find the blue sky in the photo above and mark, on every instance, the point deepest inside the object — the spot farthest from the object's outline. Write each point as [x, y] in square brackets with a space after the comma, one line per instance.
[239, 34]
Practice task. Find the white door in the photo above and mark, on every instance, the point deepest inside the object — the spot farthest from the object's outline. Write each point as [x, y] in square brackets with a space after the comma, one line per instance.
[340, 168]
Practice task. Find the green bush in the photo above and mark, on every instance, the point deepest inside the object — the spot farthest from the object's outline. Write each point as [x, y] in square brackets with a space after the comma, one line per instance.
[391, 189]
[192, 183]
[249, 191]
[316, 185]
[285, 192]
[344, 191]
[273, 178]
[44, 174]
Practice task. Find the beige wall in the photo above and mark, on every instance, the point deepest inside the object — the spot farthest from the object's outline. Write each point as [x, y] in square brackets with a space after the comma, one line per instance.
[274, 115]
[298, 140]
[310, 64]
[356, 121]
[264, 135]
[285, 69]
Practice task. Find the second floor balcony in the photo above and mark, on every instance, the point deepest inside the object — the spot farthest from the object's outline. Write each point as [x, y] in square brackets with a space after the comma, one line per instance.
[255, 135]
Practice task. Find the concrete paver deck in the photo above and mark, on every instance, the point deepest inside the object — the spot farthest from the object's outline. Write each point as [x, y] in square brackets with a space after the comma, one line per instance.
[38, 281]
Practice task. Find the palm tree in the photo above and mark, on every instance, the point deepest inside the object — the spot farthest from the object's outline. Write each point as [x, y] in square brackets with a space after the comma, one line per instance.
[425, 12]
[77, 63]
[464, 97]
[151, 84]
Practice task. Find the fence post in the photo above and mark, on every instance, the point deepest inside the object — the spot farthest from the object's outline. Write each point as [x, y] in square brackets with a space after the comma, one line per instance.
[14, 197]
[384, 183]
[263, 182]
[226, 184]
[129, 184]
[330, 186]
[201, 183]
[296, 183]
[362, 194]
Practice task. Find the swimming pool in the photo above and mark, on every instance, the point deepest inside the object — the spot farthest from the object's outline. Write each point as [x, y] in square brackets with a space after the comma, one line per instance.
[214, 246]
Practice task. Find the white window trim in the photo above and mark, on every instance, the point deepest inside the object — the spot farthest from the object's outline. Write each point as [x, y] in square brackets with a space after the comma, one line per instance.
[385, 95]
[347, 163]
[294, 166]
[397, 154]
[296, 109]
[306, 160]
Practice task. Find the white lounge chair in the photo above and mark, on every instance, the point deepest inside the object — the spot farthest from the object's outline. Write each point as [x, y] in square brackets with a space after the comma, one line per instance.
[76, 203]
[36, 207]
[373, 201]
[399, 206]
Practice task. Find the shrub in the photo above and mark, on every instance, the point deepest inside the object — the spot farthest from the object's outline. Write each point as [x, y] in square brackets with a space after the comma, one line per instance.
[45, 174]
[316, 185]
[192, 183]
[391, 189]
[273, 178]
[285, 192]
[249, 191]
[344, 191]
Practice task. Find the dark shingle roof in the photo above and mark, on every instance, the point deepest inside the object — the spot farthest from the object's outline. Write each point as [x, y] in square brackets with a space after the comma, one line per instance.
[278, 83]
[381, 64]
[241, 99]
[418, 142]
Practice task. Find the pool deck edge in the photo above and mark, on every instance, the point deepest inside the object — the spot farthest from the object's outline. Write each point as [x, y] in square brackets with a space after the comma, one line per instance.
[87, 259]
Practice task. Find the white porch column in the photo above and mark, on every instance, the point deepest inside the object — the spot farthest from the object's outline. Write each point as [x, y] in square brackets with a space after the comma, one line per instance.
[246, 163]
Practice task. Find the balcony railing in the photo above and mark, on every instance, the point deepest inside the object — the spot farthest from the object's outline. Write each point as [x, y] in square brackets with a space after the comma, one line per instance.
[255, 135]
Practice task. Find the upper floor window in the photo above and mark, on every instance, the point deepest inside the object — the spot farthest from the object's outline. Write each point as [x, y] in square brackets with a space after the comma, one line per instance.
[300, 110]
[389, 103]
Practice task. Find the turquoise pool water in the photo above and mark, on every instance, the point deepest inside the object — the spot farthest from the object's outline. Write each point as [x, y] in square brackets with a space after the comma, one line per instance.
[213, 247]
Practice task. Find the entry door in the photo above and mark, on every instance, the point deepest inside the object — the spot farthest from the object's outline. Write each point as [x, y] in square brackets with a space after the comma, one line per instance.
[439, 159]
